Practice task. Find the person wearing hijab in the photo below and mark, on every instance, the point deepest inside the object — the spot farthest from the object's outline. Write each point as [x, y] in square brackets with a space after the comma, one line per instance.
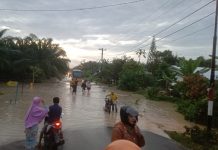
[122, 145]
[127, 128]
[35, 114]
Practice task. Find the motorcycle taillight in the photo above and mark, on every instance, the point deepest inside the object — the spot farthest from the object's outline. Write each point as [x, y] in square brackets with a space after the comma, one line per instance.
[57, 125]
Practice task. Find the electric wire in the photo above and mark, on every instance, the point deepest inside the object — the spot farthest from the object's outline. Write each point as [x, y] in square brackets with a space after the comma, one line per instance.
[192, 33]
[184, 18]
[76, 9]
[186, 26]
[169, 10]
[175, 31]
[144, 41]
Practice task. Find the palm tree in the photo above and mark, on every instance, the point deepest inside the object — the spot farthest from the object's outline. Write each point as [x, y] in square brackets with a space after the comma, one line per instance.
[140, 52]
[3, 51]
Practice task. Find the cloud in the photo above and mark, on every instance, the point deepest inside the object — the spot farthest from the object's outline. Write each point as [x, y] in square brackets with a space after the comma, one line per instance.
[127, 42]
[4, 27]
[118, 29]
[162, 24]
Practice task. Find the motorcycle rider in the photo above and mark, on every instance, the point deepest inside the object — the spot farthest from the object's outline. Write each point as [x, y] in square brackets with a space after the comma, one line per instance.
[55, 111]
[54, 114]
[127, 129]
[113, 97]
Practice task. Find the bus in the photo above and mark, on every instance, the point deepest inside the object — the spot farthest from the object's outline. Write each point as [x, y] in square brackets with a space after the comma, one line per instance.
[77, 74]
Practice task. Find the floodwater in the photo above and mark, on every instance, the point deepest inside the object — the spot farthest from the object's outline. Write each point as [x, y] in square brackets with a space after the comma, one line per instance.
[82, 111]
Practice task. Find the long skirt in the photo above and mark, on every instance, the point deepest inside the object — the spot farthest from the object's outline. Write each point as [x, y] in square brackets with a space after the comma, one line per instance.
[31, 137]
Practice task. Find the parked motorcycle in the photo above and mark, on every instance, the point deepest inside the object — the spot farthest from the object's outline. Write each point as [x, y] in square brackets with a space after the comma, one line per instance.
[53, 136]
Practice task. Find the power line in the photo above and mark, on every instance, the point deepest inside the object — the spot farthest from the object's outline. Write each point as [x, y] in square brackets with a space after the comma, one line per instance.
[175, 31]
[185, 26]
[177, 4]
[76, 9]
[167, 11]
[192, 33]
[183, 18]
[174, 23]
[159, 8]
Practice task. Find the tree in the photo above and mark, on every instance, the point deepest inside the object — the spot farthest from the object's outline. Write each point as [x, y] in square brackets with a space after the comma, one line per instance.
[31, 52]
[167, 57]
[165, 76]
[132, 75]
[140, 52]
[204, 62]
[152, 61]
[3, 51]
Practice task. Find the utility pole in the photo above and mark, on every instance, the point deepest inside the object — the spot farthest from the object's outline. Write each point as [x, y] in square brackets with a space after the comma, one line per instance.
[102, 53]
[211, 89]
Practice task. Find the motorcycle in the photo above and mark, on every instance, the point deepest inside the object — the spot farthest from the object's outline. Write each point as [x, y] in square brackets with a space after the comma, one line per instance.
[53, 136]
[107, 106]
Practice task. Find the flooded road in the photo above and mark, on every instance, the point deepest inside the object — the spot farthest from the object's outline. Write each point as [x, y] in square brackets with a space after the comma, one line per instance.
[82, 111]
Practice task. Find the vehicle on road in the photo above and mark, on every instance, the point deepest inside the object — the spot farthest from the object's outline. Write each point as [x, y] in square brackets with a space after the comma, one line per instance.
[108, 104]
[52, 136]
[77, 74]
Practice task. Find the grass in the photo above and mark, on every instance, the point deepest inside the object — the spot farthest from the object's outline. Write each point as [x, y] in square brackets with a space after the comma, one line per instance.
[187, 142]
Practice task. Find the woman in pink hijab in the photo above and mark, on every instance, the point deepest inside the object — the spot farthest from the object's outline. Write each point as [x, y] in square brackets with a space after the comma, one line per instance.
[35, 114]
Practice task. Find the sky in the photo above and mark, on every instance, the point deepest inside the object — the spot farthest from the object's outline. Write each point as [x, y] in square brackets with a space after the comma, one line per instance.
[120, 27]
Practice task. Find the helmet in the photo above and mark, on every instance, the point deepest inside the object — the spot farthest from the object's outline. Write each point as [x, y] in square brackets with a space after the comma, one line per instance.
[122, 145]
[125, 111]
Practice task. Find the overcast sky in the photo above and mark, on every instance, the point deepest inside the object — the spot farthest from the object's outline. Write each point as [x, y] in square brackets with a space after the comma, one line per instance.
[120, 29]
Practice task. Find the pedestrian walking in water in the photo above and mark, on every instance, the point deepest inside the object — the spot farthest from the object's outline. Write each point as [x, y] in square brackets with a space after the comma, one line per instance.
[35, 114]
[127, 128]
[88, 86]
[74, 85]
[83, 86]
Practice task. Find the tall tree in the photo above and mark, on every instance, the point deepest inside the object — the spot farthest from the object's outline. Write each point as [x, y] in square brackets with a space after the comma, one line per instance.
[152, 52]
[140, 52]
[152, 61]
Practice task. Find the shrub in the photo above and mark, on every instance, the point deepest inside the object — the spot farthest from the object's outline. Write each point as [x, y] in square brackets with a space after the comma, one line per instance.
[128, 81]
[202, 136]
[195, 86]
[193, 111]
[152, 92]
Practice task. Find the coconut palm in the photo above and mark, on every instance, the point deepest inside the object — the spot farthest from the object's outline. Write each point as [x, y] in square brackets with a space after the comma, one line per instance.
[140, 52]
[3, 51]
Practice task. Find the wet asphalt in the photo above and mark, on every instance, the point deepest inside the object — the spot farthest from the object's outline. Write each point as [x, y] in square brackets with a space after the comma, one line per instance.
[98, 138]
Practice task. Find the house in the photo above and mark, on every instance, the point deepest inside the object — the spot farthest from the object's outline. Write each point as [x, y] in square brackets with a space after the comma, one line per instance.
[206, 72]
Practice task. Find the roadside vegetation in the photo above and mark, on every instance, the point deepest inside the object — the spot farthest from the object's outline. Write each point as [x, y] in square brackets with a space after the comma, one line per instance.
[31, 59]
[164, 77]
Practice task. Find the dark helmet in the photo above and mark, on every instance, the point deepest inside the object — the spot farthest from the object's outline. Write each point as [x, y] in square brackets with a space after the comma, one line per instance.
[56, 100]
[125, 111]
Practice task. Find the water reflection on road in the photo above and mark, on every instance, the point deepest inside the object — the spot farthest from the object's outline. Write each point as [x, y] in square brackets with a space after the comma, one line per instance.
[83, 110]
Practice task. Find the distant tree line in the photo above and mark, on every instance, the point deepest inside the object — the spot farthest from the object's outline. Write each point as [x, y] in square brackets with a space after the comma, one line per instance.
[164, 77]
[31, 59]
